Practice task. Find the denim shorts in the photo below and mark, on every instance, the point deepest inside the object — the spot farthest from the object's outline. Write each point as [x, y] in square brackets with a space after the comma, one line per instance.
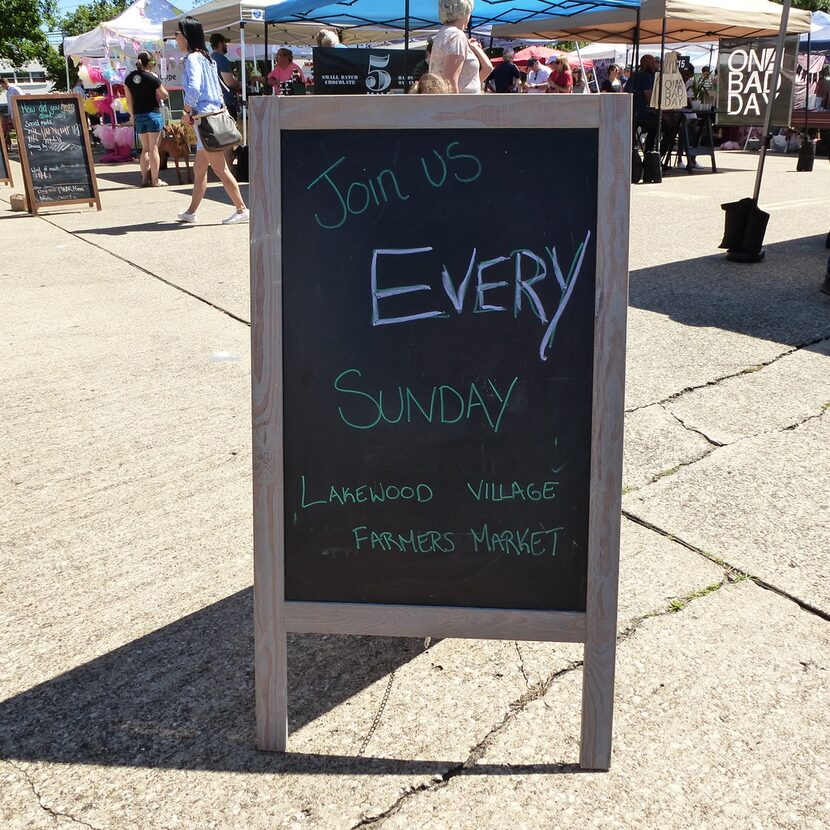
[148, 122]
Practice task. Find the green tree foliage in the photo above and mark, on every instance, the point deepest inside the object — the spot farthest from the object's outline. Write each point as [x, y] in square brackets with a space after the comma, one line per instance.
[810, 5]
[89, 15]
[22, 37]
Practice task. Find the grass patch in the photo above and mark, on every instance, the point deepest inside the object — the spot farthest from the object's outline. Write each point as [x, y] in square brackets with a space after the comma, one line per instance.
[666, 473]
[679, 604]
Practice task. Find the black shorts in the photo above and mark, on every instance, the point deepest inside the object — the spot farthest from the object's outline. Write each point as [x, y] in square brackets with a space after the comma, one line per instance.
[234, 112]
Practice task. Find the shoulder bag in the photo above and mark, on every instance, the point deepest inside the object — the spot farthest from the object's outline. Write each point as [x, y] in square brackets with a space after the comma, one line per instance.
[217, 130]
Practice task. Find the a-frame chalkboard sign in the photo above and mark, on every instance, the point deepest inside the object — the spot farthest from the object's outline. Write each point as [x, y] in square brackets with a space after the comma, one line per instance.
[55, 151]
[5, 167]
[439, 291]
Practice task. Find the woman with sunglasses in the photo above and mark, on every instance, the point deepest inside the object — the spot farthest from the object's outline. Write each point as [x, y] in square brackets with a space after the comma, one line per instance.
[561, 78]
[202, 95]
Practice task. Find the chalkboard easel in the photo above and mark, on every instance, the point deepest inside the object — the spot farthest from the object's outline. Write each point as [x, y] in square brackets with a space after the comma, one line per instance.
[5, 167]
[487, 513]
[55, 151]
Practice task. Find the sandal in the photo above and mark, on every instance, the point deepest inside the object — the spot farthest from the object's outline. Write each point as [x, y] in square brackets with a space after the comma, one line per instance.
[159, 183]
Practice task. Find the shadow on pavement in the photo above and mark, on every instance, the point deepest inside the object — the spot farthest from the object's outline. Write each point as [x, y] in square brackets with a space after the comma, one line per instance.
[122, 230]
[777, 299]
[183, 698]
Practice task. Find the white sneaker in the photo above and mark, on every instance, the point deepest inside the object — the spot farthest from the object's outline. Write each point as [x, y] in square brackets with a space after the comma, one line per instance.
[189, 218]
[237, 217]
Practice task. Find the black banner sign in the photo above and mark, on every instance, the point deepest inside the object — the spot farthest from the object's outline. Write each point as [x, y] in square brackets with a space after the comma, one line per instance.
[54, 150]
[363, 71]
[745, 69]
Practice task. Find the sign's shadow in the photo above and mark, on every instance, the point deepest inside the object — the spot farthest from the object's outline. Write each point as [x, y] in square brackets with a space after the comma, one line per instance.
[183, 696]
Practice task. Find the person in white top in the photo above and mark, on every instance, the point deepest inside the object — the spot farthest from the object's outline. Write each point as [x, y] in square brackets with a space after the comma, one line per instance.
[537, 76]
[459, 60]
[11, 91]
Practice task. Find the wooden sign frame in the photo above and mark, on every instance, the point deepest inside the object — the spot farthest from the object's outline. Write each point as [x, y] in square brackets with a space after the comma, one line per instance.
[9, 180]
[274, 616]
[33, 204]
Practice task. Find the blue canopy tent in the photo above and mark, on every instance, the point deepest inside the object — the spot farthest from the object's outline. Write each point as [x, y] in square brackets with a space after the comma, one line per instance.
[819, 35]
[423, 14]
[410, 15]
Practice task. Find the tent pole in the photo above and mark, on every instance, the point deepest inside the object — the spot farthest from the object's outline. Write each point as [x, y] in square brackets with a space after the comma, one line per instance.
[659, 138]
[267, 68]
[244, 81]
[807, 81]
[66, 61]
[406, 46]
[582, 66]
[635, 65]
[776, 74]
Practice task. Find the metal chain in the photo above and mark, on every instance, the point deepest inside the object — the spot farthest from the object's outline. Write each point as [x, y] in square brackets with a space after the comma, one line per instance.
[378, 715]
[382, 707]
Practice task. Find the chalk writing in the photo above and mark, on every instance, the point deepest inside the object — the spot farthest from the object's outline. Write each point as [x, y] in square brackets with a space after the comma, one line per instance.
[353, 198]
[407, 541]
[518, 542]
[375, 493]
[52, 133]
[524, 286]
[443, 404]
[482, 490]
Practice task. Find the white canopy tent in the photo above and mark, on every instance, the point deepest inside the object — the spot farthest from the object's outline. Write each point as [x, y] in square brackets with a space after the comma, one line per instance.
[699, 53]
[136, 28]
[229, 17]
[686, 21]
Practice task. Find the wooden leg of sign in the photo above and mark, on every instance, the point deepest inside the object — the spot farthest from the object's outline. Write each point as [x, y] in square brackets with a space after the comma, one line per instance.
[597, 702]
[606, 441]
[271, 672]
[270, 664]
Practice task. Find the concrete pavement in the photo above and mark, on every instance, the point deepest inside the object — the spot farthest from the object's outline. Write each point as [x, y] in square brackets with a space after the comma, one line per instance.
[126, 688]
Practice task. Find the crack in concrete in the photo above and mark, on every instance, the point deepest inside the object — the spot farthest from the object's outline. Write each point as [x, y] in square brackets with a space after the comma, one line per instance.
[55, 814]
[536, 692]
[806, 420]
[761, 583]
[690, 429]
[79, 235]
[522, 664]
[747, 371]
[715, 445]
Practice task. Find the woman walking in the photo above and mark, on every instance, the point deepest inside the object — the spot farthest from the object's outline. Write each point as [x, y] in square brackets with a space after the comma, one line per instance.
[459, 60]
[144, 96]
[203, 95]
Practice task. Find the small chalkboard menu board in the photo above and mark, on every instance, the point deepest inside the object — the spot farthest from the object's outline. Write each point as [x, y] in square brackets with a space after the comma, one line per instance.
[55, 151]
[438, 325]
[5, 167]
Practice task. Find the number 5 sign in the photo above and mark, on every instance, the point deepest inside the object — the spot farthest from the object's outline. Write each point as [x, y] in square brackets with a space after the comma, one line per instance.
[378, 79]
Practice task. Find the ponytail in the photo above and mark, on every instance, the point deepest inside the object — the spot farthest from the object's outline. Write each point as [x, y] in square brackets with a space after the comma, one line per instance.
[144, 62]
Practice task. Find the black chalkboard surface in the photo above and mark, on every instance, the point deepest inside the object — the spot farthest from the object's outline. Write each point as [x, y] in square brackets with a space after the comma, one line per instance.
[5, 168]
[55, 151]
[438, 341]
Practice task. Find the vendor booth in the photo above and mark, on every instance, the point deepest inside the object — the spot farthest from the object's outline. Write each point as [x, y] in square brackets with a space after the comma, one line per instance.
[137, 28]
[685, 21]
